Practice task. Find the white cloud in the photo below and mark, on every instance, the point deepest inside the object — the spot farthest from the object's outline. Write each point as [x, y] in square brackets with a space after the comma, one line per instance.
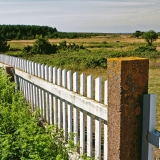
[91, 16]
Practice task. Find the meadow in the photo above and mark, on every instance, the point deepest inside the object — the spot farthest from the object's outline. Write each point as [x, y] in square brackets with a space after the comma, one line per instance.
[99, 48]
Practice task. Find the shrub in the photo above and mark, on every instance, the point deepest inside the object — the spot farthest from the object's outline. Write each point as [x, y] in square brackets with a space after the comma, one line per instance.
[3, 44]
[94, 62]
[150, 37]
[63, 46]
[14, 49]
[20, 136]
[42, 46]
[145, 48]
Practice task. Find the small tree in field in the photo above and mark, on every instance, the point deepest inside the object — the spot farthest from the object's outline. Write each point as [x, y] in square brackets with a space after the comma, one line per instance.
[137, 34]
[42, 46]
[3, 45]
[150, 36]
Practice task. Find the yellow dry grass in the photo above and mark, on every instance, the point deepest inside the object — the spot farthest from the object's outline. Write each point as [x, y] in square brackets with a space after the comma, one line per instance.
[124, 38]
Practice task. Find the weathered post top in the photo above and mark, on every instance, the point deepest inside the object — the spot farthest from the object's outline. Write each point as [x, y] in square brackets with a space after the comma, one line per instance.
[127, 82]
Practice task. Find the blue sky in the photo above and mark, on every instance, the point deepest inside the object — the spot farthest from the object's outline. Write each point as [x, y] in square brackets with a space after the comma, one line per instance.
[111, 16]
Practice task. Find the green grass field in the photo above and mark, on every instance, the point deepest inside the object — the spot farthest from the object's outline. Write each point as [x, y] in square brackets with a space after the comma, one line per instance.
[101, 46]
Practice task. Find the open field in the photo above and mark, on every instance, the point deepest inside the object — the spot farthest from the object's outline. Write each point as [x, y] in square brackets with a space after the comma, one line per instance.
[108, 38]
[99, 46]
[107, 43]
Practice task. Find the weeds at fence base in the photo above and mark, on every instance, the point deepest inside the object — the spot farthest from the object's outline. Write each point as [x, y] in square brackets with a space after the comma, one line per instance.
[20, 135]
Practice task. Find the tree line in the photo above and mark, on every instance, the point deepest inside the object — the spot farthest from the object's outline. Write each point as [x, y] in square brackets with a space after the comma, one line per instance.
[24, 32]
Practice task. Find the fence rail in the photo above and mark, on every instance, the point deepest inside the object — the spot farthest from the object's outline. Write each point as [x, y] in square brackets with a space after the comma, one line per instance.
[150, 136]
[63, 101]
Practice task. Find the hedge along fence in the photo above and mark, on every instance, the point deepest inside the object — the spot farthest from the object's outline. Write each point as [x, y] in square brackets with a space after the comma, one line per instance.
[21, 136]
[112, 132]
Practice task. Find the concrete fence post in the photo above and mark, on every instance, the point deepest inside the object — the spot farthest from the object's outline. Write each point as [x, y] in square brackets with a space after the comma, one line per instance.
[127, 82]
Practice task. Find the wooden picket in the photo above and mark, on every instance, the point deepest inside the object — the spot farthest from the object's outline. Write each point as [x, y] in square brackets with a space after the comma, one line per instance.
[89, 116]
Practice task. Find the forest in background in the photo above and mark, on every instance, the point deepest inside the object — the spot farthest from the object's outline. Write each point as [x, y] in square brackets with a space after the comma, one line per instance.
[26, 32]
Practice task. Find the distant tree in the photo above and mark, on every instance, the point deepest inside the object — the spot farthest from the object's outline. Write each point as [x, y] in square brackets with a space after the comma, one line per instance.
[27, 49]
[137, 34]
[42, 46]
[150, 36]
[63, 45]
[3, 45]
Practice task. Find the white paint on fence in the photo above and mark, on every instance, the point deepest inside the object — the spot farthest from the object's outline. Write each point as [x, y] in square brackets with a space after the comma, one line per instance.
[39, 89]
[36, 88]
[82, 84]
[50, 96]
[82, 113]
[84, 103]
[106, 92]
[56, 93]
[98, 97]
[105, 150]
[64, 104]
[59, 78]
[89, 116]
[54, 96]
[46, 95]
[75, 108]
[69, 87]
[28, 84]
[42, 90]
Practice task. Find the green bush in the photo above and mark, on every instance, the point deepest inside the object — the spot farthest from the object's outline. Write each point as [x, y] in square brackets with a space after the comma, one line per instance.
[145, 48]
[63, 46]
[26, 51]
[14, 49]
[42, 46]
[3, 44]
[20, 135]
[94, 62]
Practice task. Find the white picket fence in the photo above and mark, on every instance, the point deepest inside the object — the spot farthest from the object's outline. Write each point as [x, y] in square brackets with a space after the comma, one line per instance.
[66, 101]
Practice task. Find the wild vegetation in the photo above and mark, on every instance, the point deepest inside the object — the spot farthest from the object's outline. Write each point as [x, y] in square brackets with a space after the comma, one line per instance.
[3, 45]
[150, 37]
[92, 58]
[43, 46]
[21, 133]
[86, 52]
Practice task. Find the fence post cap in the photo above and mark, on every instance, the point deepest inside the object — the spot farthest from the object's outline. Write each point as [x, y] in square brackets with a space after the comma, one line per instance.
[126, 59]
